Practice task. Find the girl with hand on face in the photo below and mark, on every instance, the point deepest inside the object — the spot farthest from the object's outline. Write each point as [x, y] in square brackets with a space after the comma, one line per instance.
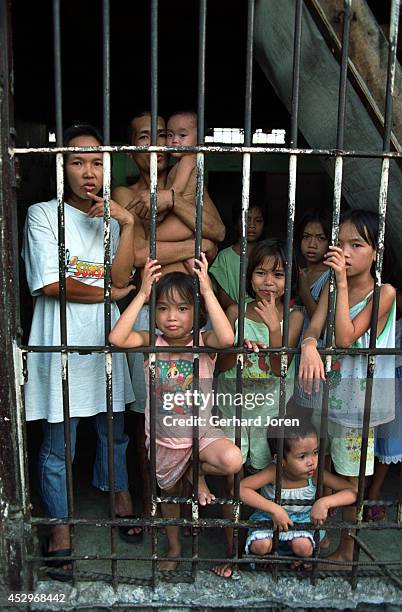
[261, 372]
[353, 262]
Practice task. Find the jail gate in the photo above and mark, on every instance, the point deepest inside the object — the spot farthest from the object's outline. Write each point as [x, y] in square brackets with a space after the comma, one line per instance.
[355, 133]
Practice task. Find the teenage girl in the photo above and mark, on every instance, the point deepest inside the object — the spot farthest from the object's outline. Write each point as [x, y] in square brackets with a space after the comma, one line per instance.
[352, 261]
[174, 319]
[226, 266]
[262, 325]
[299, 467]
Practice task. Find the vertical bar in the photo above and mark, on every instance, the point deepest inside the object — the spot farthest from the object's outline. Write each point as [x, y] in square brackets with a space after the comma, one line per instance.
[15, 572]
[62, 266]
[382, 209]
[289, 247]
[199, 202]
[336, 208]
[106, 71]
[246, 178]
[152, 255]
[107, 276]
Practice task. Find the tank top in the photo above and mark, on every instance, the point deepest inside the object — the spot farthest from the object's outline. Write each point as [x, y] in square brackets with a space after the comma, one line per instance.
[348, 378]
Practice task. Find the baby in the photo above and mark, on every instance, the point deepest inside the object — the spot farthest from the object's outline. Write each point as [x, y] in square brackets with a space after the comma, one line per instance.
[182, 131]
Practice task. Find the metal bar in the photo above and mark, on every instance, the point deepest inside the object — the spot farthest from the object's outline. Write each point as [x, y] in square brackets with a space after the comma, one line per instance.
[152, 255]
[289, 248]
[382, 209]
[277, 560]
[57, 72]
[107, 276]
[212, 149]
[152, 348]
[106, 70]
[356, 80]
[382, 568]
[336, 208]
[15, 573]
[108, 356]
[199, 202]
[62, 265]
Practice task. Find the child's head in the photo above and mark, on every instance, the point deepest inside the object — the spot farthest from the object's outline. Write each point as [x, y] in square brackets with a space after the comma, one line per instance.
[266, 270]
[175, 305]
[255, 221]
[300, 447]
[83, 172]
[358, 237]
[313, 235]
[181, 131]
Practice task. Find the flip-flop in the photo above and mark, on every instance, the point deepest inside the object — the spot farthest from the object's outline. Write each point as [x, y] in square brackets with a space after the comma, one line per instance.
[63, 575]
[130, 538]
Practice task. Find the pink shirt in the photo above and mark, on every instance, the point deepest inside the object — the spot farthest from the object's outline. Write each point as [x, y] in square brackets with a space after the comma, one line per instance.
[175, 397]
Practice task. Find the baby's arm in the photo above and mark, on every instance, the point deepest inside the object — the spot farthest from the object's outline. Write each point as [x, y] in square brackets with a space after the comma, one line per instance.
[185, 167]
[345, 495]
[249, 495]
[122, 334]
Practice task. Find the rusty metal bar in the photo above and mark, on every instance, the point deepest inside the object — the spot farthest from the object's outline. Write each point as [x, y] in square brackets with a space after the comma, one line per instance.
[62, 265]
[289, 251]
[152, 348]
[152, 255]
[382, 210]
[107, 276]
[210, 149]
[16, 574]
[336, 208]
[199, 202]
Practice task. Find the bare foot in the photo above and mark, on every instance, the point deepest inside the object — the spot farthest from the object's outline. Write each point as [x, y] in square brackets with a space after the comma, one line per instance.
[332, 566]
[204, 494]
[170, 565]
[225, 570]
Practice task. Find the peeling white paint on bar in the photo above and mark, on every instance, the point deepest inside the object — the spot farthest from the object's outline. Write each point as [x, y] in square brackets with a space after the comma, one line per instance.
[205, 149]
[153, 171]
[284, 365]
[20, 413]
[108, 366]
[382, 207]
[393, 41]
[106, 210]
[245, 194]
[64, 361]
[292, 185]
[60, 177]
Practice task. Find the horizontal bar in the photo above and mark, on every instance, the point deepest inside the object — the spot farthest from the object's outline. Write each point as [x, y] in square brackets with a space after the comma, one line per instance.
[266, 559]
[84, 350]
[207, 523]
[206, 149]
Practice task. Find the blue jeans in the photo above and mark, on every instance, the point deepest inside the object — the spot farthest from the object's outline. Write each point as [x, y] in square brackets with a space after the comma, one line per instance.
[52, 467]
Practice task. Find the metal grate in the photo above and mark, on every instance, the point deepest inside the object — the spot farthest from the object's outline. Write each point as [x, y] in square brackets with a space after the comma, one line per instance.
[294, 153]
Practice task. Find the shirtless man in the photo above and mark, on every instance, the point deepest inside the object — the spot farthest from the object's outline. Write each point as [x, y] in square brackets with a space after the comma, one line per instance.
[175, 245]
[176, 214]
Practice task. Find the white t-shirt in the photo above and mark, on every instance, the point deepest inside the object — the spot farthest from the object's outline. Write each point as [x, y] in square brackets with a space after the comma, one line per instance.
[85, 322]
